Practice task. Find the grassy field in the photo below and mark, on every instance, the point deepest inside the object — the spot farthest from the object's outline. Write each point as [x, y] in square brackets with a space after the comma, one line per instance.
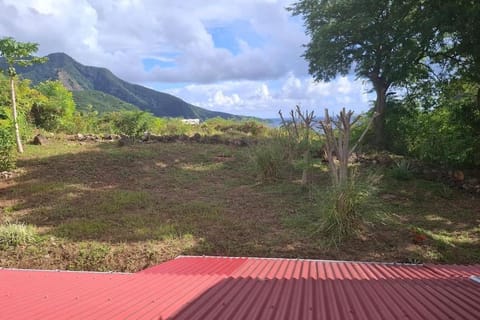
[102, 207]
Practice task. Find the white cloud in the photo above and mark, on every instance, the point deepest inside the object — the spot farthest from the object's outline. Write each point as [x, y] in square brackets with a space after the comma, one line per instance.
[53, 24]
[263, 93]
[344, 85]
[118, 34]
[222, 100]
[254, 79]
[262, 99]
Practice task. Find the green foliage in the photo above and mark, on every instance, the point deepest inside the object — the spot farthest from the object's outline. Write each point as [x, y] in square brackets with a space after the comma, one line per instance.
[401, 126]
[367, 142]
[341, 209]
[285, 149]
[268, 160]
[444, 140]
[56, 111]
[360, 33]
[91, 256]
[251, 127]
[230, 126]
[102, 102]
[96, 82]
[297, 134]
[130, 123]
[447, 134]
[383, 41]
[4, 91]
[271, 159]
[25, 97]
[170, 126]
[457, 46]
[86, 121]
[7, 147]
[18, 53]
[299, 131]
[12, 235]
[402, 170]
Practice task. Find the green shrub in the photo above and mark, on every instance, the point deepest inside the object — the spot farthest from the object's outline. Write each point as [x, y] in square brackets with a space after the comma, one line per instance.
[444, 140]
[86, 121]
[229, 126]
[130, 123]
[402, 170]
[271, 160]
[341, 210]
[91, 256]
[268, 161]
[55, 110]
[253, 128]
[171, 126]
[446, 132]
[12, 235]
[176, 127]
[7, 149]
[367, 143]
[219, 125]
[401, 126]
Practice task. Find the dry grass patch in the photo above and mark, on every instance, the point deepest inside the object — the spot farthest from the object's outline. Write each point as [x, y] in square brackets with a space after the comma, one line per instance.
[102, 207]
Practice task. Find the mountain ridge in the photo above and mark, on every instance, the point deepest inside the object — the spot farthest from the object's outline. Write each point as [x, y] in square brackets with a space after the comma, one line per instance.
[87, 81]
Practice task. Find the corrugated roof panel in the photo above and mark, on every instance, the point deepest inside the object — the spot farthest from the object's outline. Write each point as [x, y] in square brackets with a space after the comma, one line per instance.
[455, 270]
[366, 291]
[198, 265]
[28, 295]
[246, 288]
[167, 302]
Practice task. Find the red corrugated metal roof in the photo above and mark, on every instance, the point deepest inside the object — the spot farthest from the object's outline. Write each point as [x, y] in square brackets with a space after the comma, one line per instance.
[245, 288]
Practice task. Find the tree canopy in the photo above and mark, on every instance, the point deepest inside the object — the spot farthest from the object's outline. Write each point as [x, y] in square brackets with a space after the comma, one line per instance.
[55, 112]
[383, 41]
[17, 53]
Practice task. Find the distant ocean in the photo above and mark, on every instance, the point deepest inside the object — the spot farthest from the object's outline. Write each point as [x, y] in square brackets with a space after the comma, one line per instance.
[277, 122]
[274, 122]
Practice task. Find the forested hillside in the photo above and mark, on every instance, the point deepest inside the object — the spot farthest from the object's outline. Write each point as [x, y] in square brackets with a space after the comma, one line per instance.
[86, 82]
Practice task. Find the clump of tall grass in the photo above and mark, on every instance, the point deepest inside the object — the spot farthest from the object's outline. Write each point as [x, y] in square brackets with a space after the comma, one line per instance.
[342, 202]
[402, 170]
[13, 234]
[341, 208]
[270, 160]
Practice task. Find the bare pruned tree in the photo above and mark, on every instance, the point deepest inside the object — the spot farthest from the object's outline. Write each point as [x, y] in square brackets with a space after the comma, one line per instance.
[337, 133]
[298, 130]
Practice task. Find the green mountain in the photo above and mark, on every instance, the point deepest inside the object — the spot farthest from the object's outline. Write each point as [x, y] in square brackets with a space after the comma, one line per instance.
[102, 102]
[106, 92]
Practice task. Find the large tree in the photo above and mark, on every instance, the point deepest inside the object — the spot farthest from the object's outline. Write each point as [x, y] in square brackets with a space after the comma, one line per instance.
[17, 53]
[458, 43]
[383, 41]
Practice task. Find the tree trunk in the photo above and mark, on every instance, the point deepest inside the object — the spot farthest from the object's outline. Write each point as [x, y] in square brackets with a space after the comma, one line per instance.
[15, 116]
[379, 120]
[339, 143]
[306, 163]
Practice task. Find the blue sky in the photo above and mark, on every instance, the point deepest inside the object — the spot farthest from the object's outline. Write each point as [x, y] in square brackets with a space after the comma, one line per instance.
[236, 56]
